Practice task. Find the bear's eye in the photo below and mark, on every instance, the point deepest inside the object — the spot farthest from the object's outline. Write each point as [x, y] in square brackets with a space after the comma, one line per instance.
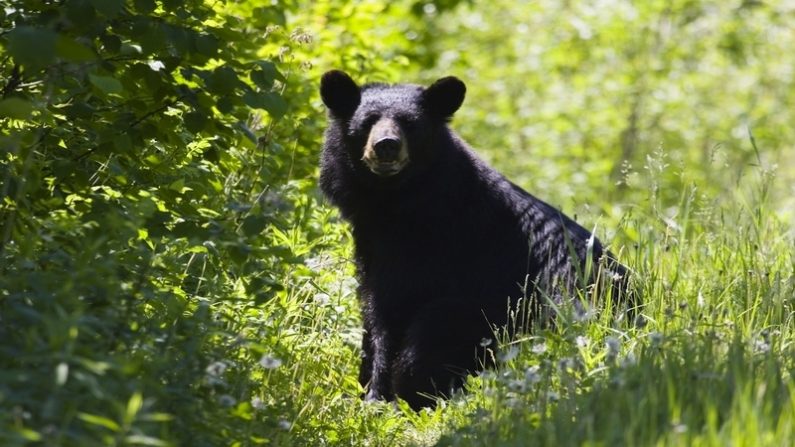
[405, 122]
[370, 121]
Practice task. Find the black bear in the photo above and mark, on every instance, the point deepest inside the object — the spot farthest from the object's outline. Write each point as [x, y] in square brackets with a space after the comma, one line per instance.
[444, 244]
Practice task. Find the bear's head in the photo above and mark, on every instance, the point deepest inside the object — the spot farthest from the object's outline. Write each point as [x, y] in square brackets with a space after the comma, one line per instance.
[389, 129]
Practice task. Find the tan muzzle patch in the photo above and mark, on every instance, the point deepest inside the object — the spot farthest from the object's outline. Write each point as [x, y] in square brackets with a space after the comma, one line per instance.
[386, 152]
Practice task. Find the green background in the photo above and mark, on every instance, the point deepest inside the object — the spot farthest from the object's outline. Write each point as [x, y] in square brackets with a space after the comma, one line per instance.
[170, 274]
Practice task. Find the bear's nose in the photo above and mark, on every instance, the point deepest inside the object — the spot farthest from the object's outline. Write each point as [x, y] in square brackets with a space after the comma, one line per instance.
[387, 148]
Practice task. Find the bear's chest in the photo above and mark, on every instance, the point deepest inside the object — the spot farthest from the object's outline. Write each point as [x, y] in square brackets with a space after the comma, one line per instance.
[418, 259]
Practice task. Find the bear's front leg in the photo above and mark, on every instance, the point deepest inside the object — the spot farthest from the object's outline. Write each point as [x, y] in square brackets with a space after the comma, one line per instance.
[374, 373]
[437, 353]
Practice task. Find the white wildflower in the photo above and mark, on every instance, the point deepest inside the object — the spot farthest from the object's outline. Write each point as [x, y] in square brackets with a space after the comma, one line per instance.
[761, 346]
[270, 362]
[216, 369]
[613, 345]
[322, 299]
[531, 375]
[656, 339]
[509, 354]
[539, 348]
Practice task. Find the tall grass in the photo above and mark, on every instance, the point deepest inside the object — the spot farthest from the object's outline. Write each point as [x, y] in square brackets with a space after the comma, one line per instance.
[707, 360]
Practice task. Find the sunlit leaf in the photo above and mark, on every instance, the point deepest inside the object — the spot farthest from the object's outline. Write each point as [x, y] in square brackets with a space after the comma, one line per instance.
[106, 84]
[72, 50]
[99, 420]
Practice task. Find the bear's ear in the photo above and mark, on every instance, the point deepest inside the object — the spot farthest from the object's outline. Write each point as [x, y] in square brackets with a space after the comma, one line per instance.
[444, 96]
[339, 93]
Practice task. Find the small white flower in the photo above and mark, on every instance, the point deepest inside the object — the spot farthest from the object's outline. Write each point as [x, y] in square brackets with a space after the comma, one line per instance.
[531, 375]
[509, 354]
[566, 364]
[761, 346]
[156, 65]
[584, 315]
[318, 263]
[322, 299]
[488, 375]
[270, 362]
[656, 339]
[553, 396]
[539, 348]
[216, 369]
[485, 342]
[582, 341]
[613, 344]
[257, 403]
[518, 385]
[284, 424]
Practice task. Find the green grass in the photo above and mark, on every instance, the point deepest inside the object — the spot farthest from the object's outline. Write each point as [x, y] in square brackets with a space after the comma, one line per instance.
[708, 359]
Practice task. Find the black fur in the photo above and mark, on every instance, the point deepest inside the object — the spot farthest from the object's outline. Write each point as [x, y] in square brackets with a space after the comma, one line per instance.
[443, 247]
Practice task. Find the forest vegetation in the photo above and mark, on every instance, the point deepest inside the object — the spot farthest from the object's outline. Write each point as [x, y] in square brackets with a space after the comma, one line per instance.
[170, 274]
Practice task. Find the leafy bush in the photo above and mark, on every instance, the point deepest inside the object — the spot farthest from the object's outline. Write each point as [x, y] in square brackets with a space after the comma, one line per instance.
[152, 183]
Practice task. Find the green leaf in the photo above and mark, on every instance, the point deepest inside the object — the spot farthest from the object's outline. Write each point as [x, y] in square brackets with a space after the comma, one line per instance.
[108, 8]
[206, 44]
[122, 143]
[133, 406]
[80, 13]
[17, 108]
[194, 121]
[28, 434]
[269, 68]
[111, 43]
[106, 84]
[223, 81]
[253, 225]
[101, 421]
[32, 47]
[145, 6]
[197, 249]
[266, 74]
[269, 16]
[145, 440]
[170, 5]
[225, 104]
[71, 50]
[274, 104]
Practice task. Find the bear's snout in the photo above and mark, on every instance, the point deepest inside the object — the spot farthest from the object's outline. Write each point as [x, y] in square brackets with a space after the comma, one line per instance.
[386, 152]
[387, 149]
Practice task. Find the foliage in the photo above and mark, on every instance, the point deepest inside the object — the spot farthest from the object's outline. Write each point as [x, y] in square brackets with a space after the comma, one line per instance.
[169, 275]
[151, 190]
